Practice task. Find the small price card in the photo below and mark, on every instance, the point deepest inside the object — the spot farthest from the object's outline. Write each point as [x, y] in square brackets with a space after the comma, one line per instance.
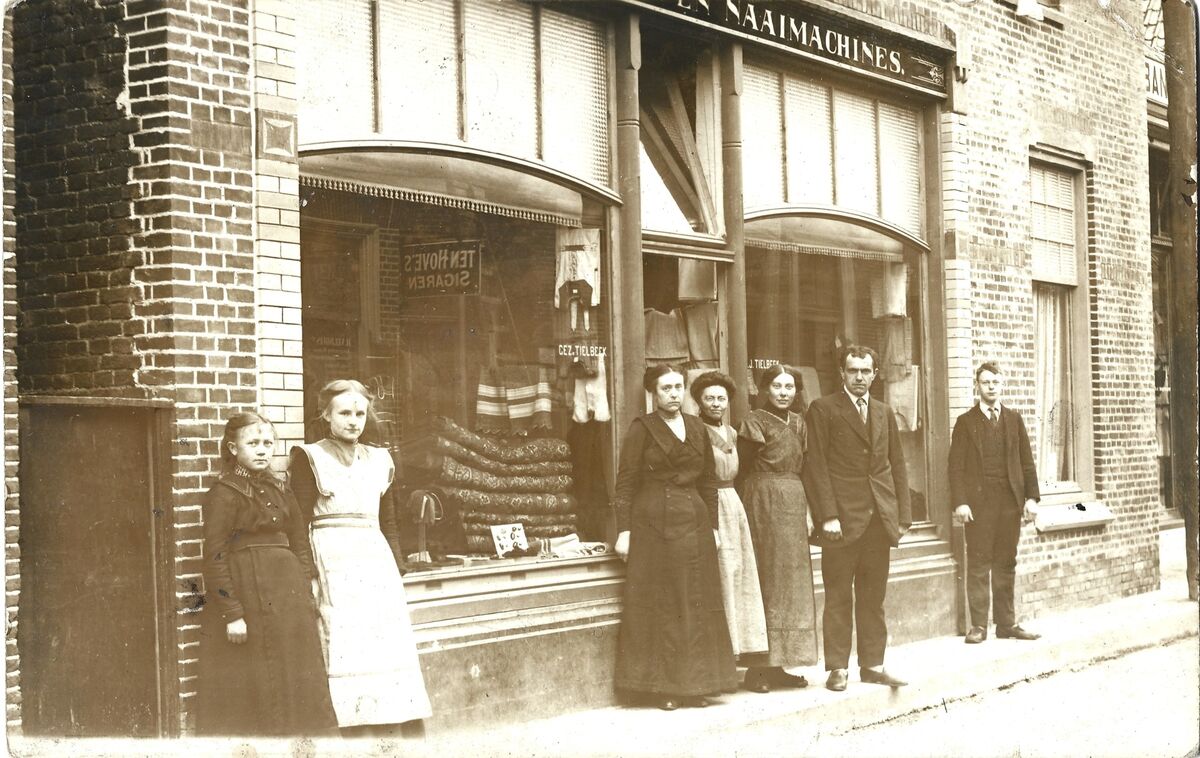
[508, 536]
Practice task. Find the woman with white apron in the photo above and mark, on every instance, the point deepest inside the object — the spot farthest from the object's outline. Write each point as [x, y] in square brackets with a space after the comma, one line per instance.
[343, 488]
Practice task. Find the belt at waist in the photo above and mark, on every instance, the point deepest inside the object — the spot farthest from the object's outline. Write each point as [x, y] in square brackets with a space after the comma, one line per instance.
[726, 484]
[344, 519]
[245, 541]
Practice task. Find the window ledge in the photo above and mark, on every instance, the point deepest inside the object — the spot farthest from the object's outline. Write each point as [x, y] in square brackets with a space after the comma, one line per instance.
[1077, 511]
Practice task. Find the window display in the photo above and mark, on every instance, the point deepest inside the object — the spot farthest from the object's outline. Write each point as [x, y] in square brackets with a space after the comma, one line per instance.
[484, 339]
[804, 307]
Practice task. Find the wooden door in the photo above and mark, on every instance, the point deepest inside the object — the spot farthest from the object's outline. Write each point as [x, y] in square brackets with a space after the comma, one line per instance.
[91, 602]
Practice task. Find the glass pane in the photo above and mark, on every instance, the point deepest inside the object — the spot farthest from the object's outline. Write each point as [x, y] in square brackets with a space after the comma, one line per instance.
[491, 332]
[800, 307]
[418, 76]
[1054, 423]
[900, 167]
[660, 211]
[809, 144]
[1052, 224]
[855, 153]
[501, 77]
[762, 138]
[334, 73]
[575, 98]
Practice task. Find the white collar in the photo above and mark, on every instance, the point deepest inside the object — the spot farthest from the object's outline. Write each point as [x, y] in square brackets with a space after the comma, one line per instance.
[853, 399]
[984, 409]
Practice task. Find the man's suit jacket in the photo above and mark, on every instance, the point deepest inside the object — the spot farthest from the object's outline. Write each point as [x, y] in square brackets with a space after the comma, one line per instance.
[966, 458]
[852, 469]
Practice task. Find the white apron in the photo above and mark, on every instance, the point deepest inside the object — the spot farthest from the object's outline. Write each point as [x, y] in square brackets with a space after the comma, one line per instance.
[366, 633]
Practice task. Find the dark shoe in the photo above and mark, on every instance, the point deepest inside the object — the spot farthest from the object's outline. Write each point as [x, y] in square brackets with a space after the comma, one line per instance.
[1015, 633]
[976, 635]
[697, 702]
[837, 680]
[871, 676]
[755, 682]
[781, 678]
[668, 703]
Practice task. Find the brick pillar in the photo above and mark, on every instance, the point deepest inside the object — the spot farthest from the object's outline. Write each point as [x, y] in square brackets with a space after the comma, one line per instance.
[189, 87]
[12, 555]
[956, 222]
[277, 231]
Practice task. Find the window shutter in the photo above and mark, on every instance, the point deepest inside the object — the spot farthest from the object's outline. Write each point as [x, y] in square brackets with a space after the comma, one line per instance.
[1052, 221]
[809, 143]
[418, 61]
[575, 95]
[855, 153]
[762, 138]
[501, 77]
[335, 69]
[900, 167]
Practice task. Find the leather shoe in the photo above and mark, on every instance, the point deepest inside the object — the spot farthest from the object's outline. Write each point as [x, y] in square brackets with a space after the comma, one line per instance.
[871, 676]
[837, 680]
[976, 635]
[668, 703]
[1015, 633]
[697, 702]
[781, 678]
[755, 684]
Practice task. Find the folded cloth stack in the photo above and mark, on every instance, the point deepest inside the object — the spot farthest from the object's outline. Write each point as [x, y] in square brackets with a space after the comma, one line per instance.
[490, 483]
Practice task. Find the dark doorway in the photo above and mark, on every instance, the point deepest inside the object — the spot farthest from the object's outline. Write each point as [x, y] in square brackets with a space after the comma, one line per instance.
[92, 600]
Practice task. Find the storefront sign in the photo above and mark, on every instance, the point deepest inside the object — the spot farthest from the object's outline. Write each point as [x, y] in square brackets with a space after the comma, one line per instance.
[1156, 81]
[582, 351]
[762, 363]
[440, 268]
[815, 34]
[328, 336]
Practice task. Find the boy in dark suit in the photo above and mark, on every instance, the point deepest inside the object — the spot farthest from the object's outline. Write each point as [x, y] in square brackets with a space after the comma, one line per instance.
[857, 487]
[991, 474]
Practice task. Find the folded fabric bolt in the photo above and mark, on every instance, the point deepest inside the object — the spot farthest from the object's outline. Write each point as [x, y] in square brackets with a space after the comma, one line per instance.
[458, 473]
[452, 449]
[505, 502]
[547, 449]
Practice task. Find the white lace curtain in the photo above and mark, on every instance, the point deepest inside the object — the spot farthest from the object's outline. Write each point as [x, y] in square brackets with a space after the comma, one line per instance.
[1054, 409]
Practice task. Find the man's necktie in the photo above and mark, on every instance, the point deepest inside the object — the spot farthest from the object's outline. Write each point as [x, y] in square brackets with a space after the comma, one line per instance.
[862, 410]
[995, 415]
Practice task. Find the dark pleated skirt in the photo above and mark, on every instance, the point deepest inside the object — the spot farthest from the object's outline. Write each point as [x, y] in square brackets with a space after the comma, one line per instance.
[673, 638]
[274, 684]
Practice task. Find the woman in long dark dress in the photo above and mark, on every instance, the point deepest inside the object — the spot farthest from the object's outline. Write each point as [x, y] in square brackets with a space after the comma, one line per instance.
[771, 444]
[674, 643]
[260, 668]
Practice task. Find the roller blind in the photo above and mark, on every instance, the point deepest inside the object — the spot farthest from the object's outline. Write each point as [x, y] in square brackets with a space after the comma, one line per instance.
[575, 95]
[855, 153]
[809, 143]
[418, 76]
[501, 77]
[762, 140]
[1052, 220]
[335, 73]
[899, 167]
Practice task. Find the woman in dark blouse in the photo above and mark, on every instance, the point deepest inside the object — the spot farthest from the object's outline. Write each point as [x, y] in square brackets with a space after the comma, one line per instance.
[260, 670]
[674, 643]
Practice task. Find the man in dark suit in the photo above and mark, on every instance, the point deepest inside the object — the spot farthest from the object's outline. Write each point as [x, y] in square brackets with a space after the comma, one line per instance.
[991, 474]
[857, 487]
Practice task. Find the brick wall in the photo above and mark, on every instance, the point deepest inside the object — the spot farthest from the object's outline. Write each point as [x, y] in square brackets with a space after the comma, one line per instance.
[1076, 87]
[12, 556]
[135, 225]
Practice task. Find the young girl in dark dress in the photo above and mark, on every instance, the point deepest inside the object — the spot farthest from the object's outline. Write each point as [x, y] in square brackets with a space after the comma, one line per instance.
[260, 670]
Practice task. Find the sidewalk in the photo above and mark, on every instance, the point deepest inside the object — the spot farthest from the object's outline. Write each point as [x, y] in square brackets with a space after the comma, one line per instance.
[939, 670]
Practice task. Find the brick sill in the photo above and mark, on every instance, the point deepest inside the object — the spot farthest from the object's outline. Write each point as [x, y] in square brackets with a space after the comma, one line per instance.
[1077, 510]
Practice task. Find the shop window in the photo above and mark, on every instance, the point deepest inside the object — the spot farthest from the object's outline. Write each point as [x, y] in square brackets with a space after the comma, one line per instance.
[1160, 282]
[805, 302]
[805, 143]
[680, 139]
[1159, 184]
[682, 317]
[477, 333]
[1061, 424]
